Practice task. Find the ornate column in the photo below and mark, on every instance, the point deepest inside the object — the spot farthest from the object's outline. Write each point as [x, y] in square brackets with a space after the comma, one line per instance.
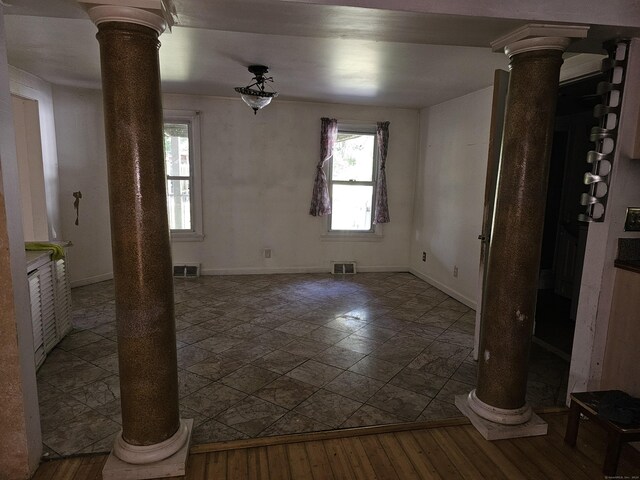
[142, 269]
[535, 53]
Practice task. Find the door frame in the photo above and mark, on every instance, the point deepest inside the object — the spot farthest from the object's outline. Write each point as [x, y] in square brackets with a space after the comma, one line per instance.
[500, 90]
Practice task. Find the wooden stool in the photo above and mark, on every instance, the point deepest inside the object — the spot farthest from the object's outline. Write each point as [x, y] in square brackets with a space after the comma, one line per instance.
[587, 404]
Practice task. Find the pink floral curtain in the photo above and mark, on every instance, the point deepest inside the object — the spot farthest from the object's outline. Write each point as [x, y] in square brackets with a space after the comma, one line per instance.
[382, 207]
[320, 201]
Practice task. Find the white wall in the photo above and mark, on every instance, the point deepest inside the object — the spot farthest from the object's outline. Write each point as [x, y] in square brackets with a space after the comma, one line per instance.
[452, 160]
[83, 167]
[257, 178]
[29, 86]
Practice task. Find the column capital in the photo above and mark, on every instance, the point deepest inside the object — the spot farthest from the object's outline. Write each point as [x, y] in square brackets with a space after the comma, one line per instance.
[537, 36]
[159, 15]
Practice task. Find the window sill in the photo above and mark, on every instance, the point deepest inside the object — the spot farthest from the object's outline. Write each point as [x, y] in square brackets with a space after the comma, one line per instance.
[352, 237]
[186, 237]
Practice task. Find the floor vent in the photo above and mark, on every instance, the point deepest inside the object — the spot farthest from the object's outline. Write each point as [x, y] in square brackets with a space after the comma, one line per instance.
[343, 267]
[187, 270]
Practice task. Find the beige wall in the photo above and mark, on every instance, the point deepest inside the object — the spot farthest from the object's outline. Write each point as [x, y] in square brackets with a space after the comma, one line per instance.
[622, 355]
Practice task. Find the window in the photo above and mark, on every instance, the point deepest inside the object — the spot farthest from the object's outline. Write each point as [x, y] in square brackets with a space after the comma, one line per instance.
[352, 179]
[182, 167]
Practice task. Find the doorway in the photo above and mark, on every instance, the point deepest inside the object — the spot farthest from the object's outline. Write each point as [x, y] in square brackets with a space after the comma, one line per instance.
[564, 238]
[26, 121]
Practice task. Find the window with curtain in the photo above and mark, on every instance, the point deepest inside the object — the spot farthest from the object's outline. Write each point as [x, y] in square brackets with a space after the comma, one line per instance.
[353, 190]
[352, 175]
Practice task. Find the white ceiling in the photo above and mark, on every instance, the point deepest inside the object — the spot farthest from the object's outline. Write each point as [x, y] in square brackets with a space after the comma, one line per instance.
[324, 53]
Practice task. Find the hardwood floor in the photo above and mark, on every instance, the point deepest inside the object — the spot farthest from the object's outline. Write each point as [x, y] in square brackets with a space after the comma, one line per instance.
[450, 449]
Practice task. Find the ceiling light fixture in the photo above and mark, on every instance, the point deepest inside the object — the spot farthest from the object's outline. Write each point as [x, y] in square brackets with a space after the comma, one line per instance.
[257, 97]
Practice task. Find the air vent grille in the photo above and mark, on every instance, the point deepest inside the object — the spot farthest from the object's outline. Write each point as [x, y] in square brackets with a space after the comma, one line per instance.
[186, 270]
[343, 268]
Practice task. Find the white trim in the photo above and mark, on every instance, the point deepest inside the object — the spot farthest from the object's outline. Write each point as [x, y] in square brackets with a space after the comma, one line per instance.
[580, 66]
[173, 466]
[540, 31]
[364, 128]
[257, 271]
[193, 118]
[352, 236]
[91, 280]
[448, 290]
[112, 13]
[382, 268]
[144, 454]
[503, 416]
[534, 44]
[324, 269]
[598, 275]
[159, 15]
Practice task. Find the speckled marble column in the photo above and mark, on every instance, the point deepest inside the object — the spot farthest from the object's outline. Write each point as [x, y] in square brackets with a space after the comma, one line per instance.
[515, 244]
[142, 266]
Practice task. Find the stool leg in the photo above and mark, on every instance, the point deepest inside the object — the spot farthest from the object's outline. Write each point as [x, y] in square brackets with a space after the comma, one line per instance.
[573, 422]
[614, 445]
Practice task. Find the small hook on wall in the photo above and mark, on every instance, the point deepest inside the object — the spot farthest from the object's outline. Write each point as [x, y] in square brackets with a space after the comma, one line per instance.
[76, 204]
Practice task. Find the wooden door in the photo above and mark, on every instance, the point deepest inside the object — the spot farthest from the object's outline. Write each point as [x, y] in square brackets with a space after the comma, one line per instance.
[500, 86]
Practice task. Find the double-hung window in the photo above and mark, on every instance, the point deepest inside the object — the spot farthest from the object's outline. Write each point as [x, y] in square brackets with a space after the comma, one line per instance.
[352, 179]
[182, 167]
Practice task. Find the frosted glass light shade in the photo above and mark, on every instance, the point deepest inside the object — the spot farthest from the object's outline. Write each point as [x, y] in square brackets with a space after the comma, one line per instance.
[256, 99]
[256, 102]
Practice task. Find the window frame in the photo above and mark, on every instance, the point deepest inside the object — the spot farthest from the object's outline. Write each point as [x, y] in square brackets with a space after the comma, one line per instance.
[374, 231]
[190, 118]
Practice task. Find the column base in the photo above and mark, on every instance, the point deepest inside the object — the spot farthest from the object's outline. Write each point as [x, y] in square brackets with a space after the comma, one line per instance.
[503, 416]
[499, 431]
[173, 465]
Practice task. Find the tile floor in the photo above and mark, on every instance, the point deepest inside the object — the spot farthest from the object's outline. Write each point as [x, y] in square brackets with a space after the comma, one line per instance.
[274, 354]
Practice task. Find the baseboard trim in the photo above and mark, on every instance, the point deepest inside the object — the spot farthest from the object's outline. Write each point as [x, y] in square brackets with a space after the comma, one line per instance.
[268, 271]
[257, 271]
[91, 280]
[448, 290]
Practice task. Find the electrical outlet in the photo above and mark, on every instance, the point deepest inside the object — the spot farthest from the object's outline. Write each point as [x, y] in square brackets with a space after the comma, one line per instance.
[455, 271]
[424, 256]
[267, 253]
[632, 223]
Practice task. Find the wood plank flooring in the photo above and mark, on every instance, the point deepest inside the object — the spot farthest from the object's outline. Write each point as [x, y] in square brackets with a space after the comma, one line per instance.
[443, 450]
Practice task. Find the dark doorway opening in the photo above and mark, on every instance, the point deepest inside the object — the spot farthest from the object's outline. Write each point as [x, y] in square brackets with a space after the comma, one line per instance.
[564, 238]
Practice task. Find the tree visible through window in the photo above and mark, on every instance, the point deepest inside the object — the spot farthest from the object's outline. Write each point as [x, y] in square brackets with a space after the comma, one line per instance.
[179, 169]
[352, 182]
